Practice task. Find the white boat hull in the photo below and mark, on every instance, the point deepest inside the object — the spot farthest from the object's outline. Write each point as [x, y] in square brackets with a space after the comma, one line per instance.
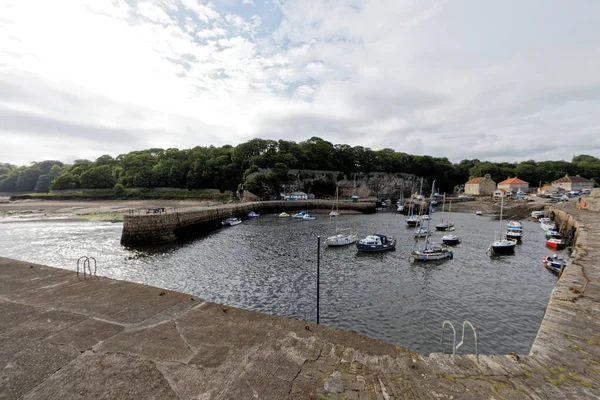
[341, 240]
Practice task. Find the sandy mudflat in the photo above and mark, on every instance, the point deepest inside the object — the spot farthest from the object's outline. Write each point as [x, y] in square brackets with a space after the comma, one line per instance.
[74, 210]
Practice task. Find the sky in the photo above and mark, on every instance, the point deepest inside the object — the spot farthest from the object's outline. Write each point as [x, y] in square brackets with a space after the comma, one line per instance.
[503, 80]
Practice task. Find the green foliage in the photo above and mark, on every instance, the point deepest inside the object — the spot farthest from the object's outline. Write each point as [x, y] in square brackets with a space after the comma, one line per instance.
[226, 168]
[65, 181]
[98, 178]
[43, 183]
[119, 190]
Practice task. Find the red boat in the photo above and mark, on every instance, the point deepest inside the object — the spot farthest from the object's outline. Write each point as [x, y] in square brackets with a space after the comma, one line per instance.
[555, 243]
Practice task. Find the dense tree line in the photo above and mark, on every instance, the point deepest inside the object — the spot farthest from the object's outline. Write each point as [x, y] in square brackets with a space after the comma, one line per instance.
[229, 168]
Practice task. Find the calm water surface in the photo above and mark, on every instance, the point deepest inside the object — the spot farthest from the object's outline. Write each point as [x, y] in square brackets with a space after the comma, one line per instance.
[269, 265]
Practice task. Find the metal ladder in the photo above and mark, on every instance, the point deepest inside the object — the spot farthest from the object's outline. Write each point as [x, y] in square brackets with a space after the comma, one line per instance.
[87, 264]
[455, 346]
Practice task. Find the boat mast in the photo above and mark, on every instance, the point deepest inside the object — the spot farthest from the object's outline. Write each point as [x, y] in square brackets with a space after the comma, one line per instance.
[443, 207]
[501, 208]
[337, 208]
[429, 213]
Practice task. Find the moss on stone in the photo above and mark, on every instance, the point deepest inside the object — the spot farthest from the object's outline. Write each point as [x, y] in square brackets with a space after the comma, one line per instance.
[552, 381]
[526, 372]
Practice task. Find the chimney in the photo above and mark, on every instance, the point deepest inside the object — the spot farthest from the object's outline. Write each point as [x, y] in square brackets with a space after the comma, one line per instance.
[488, 176]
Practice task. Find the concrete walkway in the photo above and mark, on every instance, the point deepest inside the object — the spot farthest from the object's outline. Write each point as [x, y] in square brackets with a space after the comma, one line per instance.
[66, 337]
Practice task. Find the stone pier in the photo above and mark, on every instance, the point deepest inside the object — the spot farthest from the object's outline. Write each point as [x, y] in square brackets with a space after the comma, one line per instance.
[66, 336]
[168, 227]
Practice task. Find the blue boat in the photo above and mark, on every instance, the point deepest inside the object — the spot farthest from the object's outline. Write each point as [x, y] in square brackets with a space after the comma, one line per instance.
[552, 263]
[373, 243]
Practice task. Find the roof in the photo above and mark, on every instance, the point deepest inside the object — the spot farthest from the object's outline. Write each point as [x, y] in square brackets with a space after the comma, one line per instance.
[298, 194]
[474, 181]
[545, 187]
[500, 190]
[567, 179]
[513, 181]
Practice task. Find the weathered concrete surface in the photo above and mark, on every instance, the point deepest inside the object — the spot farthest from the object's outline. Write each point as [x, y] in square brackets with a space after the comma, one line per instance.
[63, 337]
[163, 228]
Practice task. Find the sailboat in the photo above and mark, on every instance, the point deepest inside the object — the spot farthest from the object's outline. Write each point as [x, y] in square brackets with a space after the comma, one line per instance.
[354, 195]
[431, 252]
[400, 207]
[448, 225]
[414, 220]
[339, 239]
[503, 246]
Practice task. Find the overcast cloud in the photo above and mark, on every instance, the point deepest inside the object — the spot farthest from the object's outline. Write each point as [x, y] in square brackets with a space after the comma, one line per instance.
[495, 80]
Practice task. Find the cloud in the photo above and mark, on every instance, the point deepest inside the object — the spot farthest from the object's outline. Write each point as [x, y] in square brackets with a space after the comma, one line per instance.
[503, 81]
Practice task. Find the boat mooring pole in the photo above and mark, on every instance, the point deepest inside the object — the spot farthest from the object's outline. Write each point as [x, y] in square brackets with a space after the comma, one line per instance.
[318, 273]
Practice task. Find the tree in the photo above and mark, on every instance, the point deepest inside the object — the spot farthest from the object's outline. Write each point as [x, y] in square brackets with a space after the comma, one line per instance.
[98, 178]
[65, 181]
[43, 183]
[119, 190]
[27, 179]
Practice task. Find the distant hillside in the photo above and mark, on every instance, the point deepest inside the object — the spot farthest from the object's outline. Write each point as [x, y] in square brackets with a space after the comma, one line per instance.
[234, 168]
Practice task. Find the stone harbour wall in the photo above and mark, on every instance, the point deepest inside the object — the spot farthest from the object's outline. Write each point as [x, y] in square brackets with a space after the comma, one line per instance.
[167, 227]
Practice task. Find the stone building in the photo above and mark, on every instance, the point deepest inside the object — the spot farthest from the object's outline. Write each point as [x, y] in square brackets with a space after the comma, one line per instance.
[480, 186]
[514, 185]
[575, 183]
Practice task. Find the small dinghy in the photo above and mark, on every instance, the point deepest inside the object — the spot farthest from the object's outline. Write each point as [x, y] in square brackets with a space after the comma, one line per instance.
[231, 221]
[308, 217]
[552, 263]
[514, 230]
[283, 215]
[253, 215]
[377, 242]
[555, 243]
[478, 212]
[299, 215]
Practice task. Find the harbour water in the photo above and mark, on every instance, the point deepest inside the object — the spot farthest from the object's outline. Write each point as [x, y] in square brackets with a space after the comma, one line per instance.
[269, 265]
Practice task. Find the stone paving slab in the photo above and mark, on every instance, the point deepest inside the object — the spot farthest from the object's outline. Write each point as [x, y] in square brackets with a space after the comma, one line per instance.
[63, 336]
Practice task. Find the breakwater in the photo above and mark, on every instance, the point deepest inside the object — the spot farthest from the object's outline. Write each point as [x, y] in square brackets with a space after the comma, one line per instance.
[167, 227]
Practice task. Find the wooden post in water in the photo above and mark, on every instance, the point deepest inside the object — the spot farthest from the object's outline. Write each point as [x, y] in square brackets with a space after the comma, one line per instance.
[318, 274]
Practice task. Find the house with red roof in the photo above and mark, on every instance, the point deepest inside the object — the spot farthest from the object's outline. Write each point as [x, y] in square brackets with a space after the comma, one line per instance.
[573, 183]
[501, 193]
[514, 185]
[480, 186]
[548, 190]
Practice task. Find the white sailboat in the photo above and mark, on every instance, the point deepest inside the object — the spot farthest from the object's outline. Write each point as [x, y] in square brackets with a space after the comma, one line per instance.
[503, 245]
[431, 252]
[448, 225]
[339, 239]
[414, 220]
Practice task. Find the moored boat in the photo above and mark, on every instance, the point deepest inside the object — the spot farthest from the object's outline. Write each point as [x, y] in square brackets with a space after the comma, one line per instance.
[375, 243]
[552, 234]
[537, 214]
[253, 215]
[333, 214]
[413, 220]
[553, 263]
[548, 226]
[421, 232]
[451, 240]
[308, 217]
[299, 215]
[231, 221]
[283, 215]
[514, 229]
[433, 252]
[341, 240]
[478, 212]
[504, 245]
[556, 243]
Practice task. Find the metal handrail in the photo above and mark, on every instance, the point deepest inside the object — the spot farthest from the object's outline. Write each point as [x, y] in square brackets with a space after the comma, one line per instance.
[453, 340]
[87, 264]
[462, 340]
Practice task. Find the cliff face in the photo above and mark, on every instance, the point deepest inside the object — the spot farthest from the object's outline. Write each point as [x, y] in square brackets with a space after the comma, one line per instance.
[376, 184]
